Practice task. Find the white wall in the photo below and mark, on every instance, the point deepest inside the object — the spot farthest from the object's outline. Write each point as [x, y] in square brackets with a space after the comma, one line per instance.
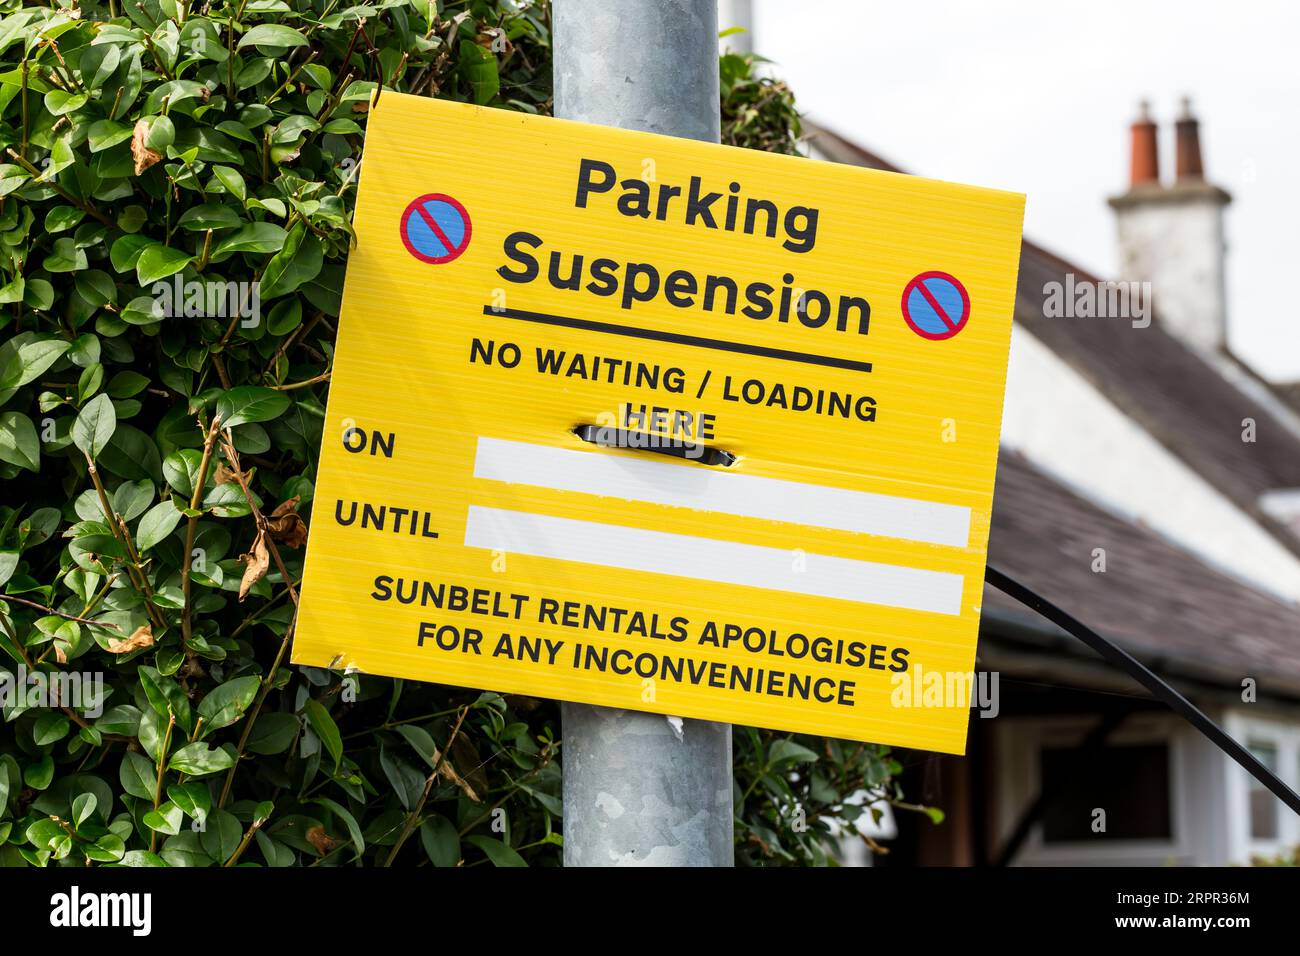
[1063, 424]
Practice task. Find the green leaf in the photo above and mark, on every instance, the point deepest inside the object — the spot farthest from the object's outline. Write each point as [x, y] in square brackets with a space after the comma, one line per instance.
[299, 261]
[85, 350]
[323, 724]
[209, 216]
[126, 251]
[166, 819]
[50, 728]
[259, 237]
[133, 80]
[105, 133]
[164, 695]
[59, 102]
[159, 262]
[66, 257]
[126, 383]
[39, 294]
[185, 849]
[123, 719]
[785, 753]
[45, 833]
[479, 66]
[161, 134]
[144, 310]
[153, 729]
[197, 759]
[132, 454]
[24, 358]
[131, 499]
[421, 742]
[440, 841]
[407, 782]
[89, 381]
[194, 799]
[220, 839]
[83, 805]
[157, 524]
[227, 703]
[13, 291]
[18, 443]
[273, 733]
[94, 426]
[142, 858]
[497, 852]
[62, 217]
[97, 287]
[231, 181]
[107, 849]
[272, 35]
[250, 403]
[131, 219]
[138, 775]
[181, 470]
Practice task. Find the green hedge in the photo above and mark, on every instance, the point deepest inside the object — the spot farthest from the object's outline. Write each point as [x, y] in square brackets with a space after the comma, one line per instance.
[158, 448]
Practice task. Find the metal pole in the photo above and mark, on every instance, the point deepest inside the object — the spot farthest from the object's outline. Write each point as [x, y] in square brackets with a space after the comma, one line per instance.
[642, 789]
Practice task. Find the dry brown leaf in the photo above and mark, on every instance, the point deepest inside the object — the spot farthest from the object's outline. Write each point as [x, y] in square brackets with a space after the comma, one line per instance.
[143, 637]
[286, 525]
[144, 156]
[448, 773]
[321, 840]
[284, 507]
[467, 755]
[256, 563]
[224, 475]
[290, 530]
[59, 653]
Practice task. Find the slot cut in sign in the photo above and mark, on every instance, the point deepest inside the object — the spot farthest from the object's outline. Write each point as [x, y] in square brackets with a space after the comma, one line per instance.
[656, 424]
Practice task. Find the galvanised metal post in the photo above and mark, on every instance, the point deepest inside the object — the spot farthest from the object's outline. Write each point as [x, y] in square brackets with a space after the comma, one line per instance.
[642, 789]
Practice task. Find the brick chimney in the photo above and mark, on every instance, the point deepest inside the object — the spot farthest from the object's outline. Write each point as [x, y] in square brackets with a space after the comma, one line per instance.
[1172, 235]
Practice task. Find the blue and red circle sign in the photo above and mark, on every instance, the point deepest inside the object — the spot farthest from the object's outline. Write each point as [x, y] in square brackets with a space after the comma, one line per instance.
[935, 305]
[435, 228]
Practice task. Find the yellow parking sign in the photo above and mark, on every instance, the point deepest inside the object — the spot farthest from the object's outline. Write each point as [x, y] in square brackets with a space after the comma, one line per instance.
[650, 423]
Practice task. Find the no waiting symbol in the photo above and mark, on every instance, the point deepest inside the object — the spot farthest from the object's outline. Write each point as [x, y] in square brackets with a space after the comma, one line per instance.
[435, 228]
[935, 305]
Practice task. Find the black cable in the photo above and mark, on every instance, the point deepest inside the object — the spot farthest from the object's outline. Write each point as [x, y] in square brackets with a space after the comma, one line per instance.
[1126, 662]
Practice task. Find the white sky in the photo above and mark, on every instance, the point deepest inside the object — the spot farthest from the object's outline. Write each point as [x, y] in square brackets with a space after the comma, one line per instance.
[1037, 97]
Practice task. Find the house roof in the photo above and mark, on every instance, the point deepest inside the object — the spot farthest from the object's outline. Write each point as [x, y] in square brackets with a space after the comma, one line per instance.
[1166, 387]
[1162, 604]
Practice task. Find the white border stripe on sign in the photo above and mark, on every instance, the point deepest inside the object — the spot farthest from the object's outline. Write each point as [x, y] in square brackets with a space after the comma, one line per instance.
[635, 478]
[727, 562]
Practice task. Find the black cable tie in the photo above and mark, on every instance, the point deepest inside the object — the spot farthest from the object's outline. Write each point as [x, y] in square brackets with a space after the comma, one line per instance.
[1139, 672]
